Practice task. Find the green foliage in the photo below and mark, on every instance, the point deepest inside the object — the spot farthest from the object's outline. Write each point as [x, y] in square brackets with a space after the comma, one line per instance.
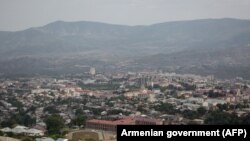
[90, 139]
[21, 118]
[79, 112]
[118, 111]
[188, 87]
[79, 120]
[108, 86]
[171, 87]
[201, 111]
[109, 104]
[32, 109]
[96, 111]
[173, 93]
[221, 118]
[8, 123]
[157, 86]
[213, 94]
[24, 119]
[1, 133]
[190, 114]
[15, 103]
[166, 107]
[55, 124]
[133, 87]
[114, 112]
[246, 120]
[141, 109]
[10, 134]
[56, 136]
[223, 107]
[64, 132]
[51, 110]
[241, 106]
[227, 107]
[163, 89]
[27, 139]
[174, 88]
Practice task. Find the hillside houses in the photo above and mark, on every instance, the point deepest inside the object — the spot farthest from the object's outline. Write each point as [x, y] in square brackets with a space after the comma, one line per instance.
[23, 130]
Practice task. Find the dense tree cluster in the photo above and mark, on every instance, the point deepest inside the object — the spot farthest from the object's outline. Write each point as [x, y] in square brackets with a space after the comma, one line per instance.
[166, 107]
[213, 94]
[221, 118]
[20, 118]
[55, 124]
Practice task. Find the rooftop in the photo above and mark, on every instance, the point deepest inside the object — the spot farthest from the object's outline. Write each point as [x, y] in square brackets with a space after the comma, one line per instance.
[124, 121]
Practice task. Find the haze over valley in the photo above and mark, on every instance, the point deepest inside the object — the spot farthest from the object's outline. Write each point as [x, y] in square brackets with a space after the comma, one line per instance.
[219, 47]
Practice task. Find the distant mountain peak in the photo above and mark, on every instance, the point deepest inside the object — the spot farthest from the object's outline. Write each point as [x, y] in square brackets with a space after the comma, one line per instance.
[203, 40]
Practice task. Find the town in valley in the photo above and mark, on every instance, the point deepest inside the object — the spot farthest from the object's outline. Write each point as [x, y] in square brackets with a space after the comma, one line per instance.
[73, 106]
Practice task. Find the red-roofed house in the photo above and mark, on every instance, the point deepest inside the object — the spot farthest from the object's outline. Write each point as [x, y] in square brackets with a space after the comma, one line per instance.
[148, 121]
[108, 125]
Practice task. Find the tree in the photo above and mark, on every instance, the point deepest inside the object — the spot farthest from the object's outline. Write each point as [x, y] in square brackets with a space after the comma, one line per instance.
[27, 139]
[10, 134]
[190, 114]
[221, 118]
[163, 89]
[115, 111]
[201, 111]
[223, 107]
[79, 120]
[109, 104]
[213, 94]
[166, 107]
[32, 109]
[8, 123]
[188, 87]
[157, 86]
[246, 120]
[140, 108]
[245, 87]
[51, 110]
[96, 111]
[24, 119]
[54, 124]
[78, 112]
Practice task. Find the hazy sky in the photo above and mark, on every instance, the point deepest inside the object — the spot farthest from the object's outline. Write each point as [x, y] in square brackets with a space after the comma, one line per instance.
[22, 14]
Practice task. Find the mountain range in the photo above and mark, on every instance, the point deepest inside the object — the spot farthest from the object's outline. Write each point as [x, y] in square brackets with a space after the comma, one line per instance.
[219, 47]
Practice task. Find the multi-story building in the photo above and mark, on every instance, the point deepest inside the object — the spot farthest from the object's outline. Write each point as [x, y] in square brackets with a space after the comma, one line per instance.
[108, 125]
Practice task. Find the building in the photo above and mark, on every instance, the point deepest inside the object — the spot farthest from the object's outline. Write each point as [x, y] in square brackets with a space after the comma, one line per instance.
[108, 125]
[44, 139]
[23, 130]
[34, 132]
[40, 126]
[62, 139]
[148, 121]
[6, 130]
[143, 93]
[196, 122]
[92, 71]
[19, 129]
